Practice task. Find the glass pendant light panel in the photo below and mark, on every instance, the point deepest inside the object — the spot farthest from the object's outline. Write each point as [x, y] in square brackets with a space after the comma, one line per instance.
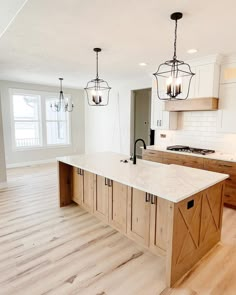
[98, 92]
[173, 80]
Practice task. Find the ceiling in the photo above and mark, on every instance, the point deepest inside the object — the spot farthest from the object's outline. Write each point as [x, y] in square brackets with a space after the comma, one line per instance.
[8, 11]
[51, 38]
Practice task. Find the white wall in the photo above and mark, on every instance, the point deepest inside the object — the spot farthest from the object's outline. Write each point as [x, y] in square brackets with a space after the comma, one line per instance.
[2, 151]
[198, 129]
[18, 157]
[108, 128]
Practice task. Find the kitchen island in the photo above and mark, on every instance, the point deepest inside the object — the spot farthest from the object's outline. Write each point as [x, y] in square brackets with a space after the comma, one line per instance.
[172, 210]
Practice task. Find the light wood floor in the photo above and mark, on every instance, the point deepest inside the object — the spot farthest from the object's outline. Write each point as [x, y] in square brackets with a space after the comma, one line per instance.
[48, 250]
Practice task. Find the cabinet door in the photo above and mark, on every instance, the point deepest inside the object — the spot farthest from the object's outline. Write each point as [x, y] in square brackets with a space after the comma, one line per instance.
[160, 119]
[192, 89]
[118, 195]
[88, 195]
[206, 81]
[158, 225]
[101, 198]
[156, 112]
[138, 223]
[78, 186]
[227, 107]
[228, 73]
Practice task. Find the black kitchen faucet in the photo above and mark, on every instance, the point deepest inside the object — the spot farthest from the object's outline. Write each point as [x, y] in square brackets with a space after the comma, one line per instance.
[144, 146]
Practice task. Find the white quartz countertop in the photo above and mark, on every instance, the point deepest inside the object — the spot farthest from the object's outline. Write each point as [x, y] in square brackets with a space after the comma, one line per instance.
[171, 182]
[214, 156]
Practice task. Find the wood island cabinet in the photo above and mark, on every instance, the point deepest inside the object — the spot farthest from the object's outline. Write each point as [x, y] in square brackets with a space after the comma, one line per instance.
[78, 185]
[101, 198]
[138, 223]
[88, 190]
[118, 196]
[147, 220]
[158, 224]
[183, 232]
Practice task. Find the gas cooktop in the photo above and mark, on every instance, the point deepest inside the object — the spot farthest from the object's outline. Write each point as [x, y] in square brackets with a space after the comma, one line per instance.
[187, 149]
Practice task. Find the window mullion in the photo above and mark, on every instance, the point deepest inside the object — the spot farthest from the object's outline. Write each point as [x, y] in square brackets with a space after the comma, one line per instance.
[43, 120]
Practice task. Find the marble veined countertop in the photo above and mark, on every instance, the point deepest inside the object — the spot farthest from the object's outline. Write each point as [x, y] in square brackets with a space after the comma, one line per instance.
[171, 182]
[215, 156]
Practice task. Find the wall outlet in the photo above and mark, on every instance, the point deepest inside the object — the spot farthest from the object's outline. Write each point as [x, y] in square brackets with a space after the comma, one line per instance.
[162, 135]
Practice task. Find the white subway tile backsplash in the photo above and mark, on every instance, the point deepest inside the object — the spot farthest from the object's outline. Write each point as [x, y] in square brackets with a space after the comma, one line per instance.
[198, 129]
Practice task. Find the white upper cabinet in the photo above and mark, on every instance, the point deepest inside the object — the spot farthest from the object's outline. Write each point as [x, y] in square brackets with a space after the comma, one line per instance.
[227, 101]
[227, 108]
[160, 119]
[228, 73]
[205, 83]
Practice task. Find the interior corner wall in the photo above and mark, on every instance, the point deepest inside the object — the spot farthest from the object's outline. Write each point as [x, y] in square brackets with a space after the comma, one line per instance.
[109, 128]
[18, 158]
[3, 177]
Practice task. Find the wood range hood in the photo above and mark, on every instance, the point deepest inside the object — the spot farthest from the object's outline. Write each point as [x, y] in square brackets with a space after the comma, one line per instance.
[195, 104]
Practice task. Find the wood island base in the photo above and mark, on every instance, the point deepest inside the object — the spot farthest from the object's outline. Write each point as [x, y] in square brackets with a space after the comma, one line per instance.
[183, 232]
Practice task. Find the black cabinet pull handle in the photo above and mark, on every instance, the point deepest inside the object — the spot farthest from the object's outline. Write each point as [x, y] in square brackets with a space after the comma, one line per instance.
[106, 181]
[109, 182]
[153, 199]
[226, 166]
[147, 197]
[78, 171]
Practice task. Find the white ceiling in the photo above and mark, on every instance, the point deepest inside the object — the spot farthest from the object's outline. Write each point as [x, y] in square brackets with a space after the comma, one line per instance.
[52, 38]
[8, 11]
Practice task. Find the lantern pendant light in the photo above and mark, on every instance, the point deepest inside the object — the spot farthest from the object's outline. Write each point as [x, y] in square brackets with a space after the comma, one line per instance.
[62, 104]
[97, 90]
[174, 76]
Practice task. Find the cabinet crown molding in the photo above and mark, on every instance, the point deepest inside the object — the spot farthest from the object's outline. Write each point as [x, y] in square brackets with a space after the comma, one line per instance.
[209, 59]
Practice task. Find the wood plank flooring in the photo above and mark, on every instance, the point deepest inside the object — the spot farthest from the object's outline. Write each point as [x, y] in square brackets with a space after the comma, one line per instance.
[49, 250]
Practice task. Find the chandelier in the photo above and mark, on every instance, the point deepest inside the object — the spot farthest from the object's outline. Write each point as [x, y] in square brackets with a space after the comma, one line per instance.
[62, 104]
[174, 76]
[97, 90]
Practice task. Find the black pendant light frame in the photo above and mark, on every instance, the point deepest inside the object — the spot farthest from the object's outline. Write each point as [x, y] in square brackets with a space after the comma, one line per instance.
[61, 105]
[174, 69]
[98, 85]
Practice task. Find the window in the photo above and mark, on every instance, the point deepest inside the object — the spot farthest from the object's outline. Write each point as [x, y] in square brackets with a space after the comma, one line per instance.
[26, 112]
[34, 124]
[56, 124]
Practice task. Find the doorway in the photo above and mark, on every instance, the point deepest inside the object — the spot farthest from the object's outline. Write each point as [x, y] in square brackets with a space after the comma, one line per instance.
[141, 119]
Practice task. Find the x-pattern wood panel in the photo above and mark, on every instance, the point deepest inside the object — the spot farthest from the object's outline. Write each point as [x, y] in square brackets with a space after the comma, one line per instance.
[211, 203]
[188, 228]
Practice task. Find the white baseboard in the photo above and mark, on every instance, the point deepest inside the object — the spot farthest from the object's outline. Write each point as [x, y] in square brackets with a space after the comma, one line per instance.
[31, 163]
[3, 185]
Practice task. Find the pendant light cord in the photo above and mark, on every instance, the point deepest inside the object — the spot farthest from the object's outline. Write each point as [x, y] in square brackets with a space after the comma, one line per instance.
[60, 85]
[97, 65]
[175, 42]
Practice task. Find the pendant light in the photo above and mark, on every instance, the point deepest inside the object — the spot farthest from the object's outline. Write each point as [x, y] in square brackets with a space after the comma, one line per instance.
[62, 104]
[97, 90]
[174, 76]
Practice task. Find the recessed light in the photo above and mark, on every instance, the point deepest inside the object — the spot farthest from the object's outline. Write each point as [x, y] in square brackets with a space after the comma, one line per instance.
[142, 64]
[192, 51]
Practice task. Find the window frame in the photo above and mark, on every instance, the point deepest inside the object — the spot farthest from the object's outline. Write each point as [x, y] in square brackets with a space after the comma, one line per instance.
[43, 95]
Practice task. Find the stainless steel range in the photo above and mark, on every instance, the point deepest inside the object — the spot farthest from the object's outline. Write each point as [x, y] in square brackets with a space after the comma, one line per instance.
[188, 149]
